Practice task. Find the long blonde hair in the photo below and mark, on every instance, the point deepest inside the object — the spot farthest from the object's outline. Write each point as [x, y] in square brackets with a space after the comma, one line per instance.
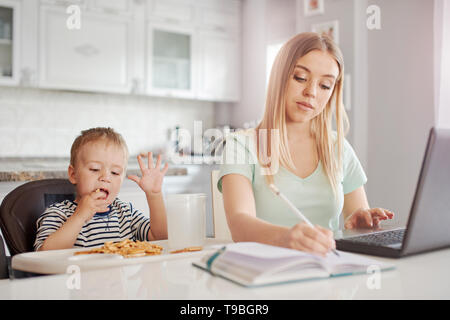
[321, 125]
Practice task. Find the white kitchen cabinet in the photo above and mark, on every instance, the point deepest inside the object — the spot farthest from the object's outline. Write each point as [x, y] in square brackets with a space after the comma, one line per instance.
[170, 60]
[172, 11]
[9, 42]
[219, 15]
[219, 71]
[96, 57]
[219, 50]
[111, 6]
[214, 65]
[172, 48]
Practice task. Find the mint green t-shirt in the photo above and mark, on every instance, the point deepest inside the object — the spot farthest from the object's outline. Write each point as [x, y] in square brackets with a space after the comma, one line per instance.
[313, 196]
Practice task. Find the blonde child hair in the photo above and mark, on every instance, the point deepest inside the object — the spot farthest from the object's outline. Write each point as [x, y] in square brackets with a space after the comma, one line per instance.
[96, 134]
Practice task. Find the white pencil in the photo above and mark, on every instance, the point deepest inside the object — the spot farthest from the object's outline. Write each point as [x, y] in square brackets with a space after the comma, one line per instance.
[295, 209]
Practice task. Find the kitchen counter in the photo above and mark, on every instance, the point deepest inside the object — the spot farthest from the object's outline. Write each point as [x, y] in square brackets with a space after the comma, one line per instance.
[28, 169]
[422, 276]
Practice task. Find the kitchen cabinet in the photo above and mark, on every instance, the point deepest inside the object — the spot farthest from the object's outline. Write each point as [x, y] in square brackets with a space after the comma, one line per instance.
[111, 6]
[220, 68]
[172, 11]
[170, 60]
[219, 51]
[9, 42]
[219, 15]
[172, 48]
[97, 56]
[214, 65]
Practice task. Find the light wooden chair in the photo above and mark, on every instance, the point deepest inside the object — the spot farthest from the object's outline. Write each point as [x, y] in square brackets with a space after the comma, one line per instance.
[221, 230]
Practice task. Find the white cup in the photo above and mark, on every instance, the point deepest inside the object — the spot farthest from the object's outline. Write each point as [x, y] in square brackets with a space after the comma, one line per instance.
[186, 220]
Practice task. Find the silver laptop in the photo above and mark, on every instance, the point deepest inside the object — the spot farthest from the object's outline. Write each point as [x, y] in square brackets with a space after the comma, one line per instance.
[428, 226]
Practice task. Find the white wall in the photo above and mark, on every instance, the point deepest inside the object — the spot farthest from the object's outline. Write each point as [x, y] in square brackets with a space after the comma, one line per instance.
[392, 88]
[442, 62]
[360, 101]
[343, 11]
[392, 91]
[264, 22]
[253, 46]
[280, 21]
[400, 101]
[41, 123]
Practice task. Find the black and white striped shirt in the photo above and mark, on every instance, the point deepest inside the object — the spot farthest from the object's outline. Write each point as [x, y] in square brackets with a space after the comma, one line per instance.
[121, 222]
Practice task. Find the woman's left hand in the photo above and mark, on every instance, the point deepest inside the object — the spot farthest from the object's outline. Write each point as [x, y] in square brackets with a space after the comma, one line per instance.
[367, 218]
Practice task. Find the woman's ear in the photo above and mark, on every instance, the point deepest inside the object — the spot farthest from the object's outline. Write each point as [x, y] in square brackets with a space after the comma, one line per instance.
[71, 174]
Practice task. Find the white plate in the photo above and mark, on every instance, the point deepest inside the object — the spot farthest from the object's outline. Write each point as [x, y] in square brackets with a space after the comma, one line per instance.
[95, 256]
[58, 261]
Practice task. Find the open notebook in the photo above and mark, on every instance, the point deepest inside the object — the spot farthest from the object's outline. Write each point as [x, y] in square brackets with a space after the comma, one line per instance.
[255, 264]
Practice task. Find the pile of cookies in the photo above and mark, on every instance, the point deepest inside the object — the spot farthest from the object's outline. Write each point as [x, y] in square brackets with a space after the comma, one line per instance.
[127, 248]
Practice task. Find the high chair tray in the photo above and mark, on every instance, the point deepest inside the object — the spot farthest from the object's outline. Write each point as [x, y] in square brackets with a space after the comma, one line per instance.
[60, 261]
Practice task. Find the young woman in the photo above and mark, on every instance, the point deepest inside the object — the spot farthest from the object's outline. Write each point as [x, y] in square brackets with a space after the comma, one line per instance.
[296, 148]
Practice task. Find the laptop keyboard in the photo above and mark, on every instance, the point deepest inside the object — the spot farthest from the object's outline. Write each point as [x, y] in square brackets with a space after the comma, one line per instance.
[380, 239]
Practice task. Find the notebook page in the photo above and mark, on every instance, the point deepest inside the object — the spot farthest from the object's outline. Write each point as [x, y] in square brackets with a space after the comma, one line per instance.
[267, 264]
[350, 263]
[258, 250]
[255, 262]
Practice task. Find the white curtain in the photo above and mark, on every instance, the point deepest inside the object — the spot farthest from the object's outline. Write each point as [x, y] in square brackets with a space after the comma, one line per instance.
[442, 62]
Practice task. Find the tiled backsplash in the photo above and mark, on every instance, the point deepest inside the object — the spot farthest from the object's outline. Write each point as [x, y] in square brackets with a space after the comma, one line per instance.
[42, 123]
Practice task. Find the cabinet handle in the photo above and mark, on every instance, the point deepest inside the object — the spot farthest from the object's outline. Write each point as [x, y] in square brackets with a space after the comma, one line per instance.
[172, 20]
[136, 86]
[221, 29]
[27, 77]
[87, 50]
[67, 3]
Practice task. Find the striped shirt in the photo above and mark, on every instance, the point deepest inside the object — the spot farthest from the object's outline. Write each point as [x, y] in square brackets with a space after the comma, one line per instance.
[121, 222]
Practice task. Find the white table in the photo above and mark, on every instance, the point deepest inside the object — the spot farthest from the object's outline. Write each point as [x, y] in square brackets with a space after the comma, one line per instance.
[424, 276]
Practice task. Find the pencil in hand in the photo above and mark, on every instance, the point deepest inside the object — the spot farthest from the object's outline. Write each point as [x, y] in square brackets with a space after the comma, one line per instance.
[295, 209]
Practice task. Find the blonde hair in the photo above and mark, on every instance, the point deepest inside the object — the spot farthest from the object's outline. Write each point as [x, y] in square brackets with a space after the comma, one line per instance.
[96, 134]
[321, 125]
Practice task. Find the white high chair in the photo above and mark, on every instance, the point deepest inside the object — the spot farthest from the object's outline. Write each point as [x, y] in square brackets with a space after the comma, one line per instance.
[221, 230]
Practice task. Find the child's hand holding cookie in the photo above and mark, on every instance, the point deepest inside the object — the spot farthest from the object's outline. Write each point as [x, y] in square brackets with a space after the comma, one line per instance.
[92, 203]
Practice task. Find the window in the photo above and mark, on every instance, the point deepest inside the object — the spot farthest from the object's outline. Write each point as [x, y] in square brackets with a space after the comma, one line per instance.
[272, 51]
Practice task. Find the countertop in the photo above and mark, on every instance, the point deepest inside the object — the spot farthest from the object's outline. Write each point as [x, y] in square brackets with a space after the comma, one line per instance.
[423, 276]
[28, 169]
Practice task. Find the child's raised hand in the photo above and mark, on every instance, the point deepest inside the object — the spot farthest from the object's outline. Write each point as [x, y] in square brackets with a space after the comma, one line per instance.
[152, 177]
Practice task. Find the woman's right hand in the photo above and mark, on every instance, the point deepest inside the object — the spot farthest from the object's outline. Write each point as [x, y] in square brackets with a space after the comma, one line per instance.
[316, 240]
